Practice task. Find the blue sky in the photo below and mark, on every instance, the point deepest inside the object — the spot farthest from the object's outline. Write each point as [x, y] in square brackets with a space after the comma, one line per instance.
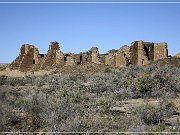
[78, 27]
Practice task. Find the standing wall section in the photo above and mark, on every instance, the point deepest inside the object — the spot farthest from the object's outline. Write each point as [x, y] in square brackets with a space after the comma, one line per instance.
[160, 50]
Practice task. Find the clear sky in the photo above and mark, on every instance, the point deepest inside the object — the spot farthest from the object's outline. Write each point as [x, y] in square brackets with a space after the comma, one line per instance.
[78, 27]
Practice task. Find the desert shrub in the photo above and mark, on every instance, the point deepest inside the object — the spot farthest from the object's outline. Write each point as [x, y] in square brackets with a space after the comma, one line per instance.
[82, 102]
[10, 119]
[3, 79]
[124, 95]
[153, 81]
[78, 77]
[15, 81]
[151, 114]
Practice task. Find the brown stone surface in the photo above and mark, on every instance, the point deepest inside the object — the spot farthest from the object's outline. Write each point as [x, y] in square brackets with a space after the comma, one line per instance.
[142, 53]
[120, 60]
[160, 50]
[53, 57]
[139, 53]
[95, 55]
[70, 60]
[177, 55]
[29, 56]
[122, 57]
[110, 58]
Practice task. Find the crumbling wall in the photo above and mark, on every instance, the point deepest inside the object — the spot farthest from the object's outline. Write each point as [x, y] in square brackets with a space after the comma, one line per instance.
[143, 53]
[102, 58]
[70, 60]
[78, 58]
[28, 58]
[125, 50]
[54, 57]
[149, 50]
[120, 60]
[110, 58]
[139, 53]
[122, 57]
[134, 53]
[160, 50]
[86, 57]
[177, 55]
[95, 55]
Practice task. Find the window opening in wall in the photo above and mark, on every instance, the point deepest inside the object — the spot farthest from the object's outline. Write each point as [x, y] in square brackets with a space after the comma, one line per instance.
[34, 62]
[146, 50]
[65, 58]
[142, 61]
[42, 55]
[80, 59]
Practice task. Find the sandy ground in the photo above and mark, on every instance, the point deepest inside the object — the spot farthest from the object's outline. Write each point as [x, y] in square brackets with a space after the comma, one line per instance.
[17, 73]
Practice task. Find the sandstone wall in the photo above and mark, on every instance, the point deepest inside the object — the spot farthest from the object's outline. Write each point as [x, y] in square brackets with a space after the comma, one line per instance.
[134, 53]
[29, 56]
[122, 57]
[142, 53]
[160, 50]
[149, 50]
[95, 55]
[86, 57]
[177, 55]
[54, 57]
[139, 53]
[110, 59]
[102, 58]
[70, 60]
[120, 60]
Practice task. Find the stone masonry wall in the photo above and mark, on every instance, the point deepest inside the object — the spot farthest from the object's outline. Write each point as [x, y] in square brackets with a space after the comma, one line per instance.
[142, 53]
[139, 53]
[70, 60]
[95, 55]
[53, 57]
[160, 50]
[122, 57]
[134, 53]
[177, 55]
[28, 57]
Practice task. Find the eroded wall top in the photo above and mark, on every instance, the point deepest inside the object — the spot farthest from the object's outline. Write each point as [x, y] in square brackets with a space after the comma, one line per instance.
[139, 53]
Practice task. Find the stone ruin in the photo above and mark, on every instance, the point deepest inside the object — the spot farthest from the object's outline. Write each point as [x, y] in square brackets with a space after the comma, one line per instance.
[143, 53]
[139, 53]
[177, 55]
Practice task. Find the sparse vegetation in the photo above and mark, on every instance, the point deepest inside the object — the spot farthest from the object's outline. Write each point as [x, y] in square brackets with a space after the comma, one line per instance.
[83, 102]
